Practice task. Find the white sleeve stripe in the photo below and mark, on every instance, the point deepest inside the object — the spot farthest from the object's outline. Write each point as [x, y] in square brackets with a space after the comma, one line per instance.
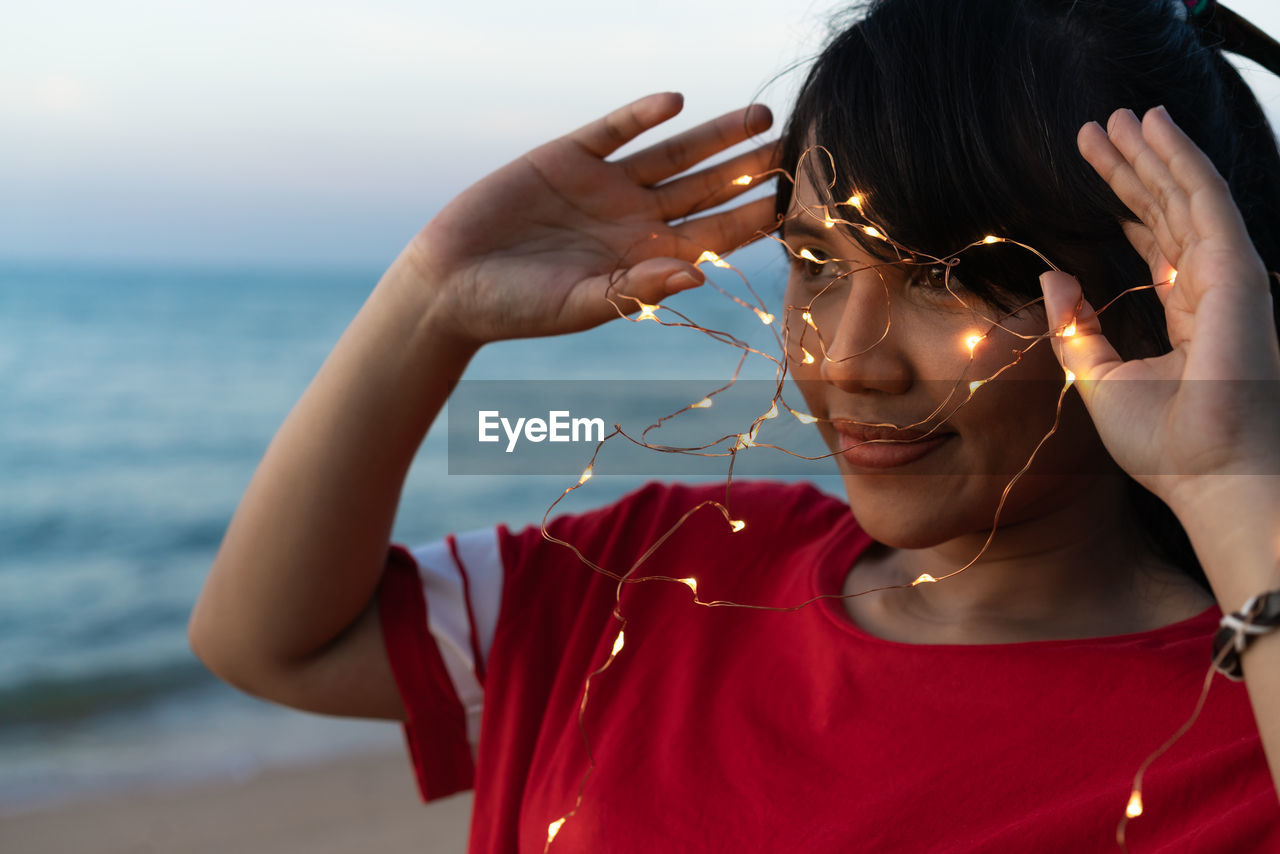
[479, 553]
[447, 617]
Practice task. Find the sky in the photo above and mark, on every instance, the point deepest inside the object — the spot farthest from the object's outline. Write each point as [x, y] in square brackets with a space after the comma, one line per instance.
[321, 133]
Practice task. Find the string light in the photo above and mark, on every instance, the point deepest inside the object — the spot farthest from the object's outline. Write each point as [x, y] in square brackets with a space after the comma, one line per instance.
[716, 260]
[1134, 808]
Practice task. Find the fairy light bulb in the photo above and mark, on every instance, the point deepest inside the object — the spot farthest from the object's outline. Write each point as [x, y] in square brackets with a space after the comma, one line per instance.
[773, 410]
[975, 385]
[872, 231]
[1173, 276]
[925, 578]
[809, 256]
[808, 357]
[737, 525]
[973, 341]
[586, 476]
[716, 260]
[856, 201]
[705, 403]
[990, 238]
[808, 318]
[743, 180]
[803, 417]
[1070, 377]
[765, 317]
[828, 221]
[1134, 809]
[617, 644]
[553, 829]
[647, 312]
[1070, 330]
[691, 583]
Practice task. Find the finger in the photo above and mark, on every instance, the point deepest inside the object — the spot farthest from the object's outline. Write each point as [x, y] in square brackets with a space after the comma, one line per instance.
[645, 283]
[731, 229]
[607, 134]
[714, 185]
[1085, 352]
[1142, 240]
[683, 151]
[1207, 192]
[1165, 207]
[1098, 149]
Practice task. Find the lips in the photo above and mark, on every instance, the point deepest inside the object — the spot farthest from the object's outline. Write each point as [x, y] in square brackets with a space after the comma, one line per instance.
[889, 446]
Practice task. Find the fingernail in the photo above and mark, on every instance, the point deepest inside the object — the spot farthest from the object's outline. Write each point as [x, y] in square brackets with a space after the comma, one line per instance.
[682, 281]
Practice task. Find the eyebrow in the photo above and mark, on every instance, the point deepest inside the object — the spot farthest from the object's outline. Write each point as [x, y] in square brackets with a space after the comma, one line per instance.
[804, 226]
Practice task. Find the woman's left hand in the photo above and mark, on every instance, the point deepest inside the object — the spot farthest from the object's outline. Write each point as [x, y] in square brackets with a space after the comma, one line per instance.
[1212, 404]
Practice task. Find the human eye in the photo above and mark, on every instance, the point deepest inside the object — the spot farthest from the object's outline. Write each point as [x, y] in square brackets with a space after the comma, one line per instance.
[812, 262]
[933, 277]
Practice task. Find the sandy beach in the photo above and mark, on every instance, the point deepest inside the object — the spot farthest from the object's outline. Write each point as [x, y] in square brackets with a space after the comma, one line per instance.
[365, 803]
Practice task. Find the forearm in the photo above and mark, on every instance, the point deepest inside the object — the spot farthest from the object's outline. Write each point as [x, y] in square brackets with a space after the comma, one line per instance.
[1234, 524]
[306, 547]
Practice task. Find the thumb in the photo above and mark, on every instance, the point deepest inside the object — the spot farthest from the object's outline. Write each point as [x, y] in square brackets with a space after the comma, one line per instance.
[1077, 337]
[648, 282]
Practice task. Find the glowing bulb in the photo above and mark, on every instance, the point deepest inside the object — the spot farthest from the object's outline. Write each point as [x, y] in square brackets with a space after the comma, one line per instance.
[973, 341]
[743, 180]
[975, 385]
[708, 255]
[990, 238]
[1070, 330]
[872, 231]
[803, 417]
[705, 403]
[553, 829]
[1070, 377]
[765, 317]
[808, 318]
[1134, 809]
[617, 645]
[737, 525]
[691, 583]
[809, 256]
[746, 440]
[925, 578]
[586, 476]
[1173, 276]
[773, 410]
[647, 312]
[856, 201]
[808, 357]
[828, 221]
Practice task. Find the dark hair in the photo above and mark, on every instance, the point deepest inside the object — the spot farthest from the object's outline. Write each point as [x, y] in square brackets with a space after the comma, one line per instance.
[959, 119]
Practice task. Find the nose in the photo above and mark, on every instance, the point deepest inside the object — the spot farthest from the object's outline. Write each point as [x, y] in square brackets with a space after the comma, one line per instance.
[865, 351]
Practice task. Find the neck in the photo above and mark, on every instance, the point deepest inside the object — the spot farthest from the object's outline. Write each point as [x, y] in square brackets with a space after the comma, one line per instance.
[1083, 571]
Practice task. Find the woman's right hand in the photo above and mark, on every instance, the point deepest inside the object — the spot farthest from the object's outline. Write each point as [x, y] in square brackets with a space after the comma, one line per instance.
[537, 247]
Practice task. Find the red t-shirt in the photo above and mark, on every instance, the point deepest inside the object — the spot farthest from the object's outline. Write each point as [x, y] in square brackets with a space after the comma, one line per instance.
[727, 729]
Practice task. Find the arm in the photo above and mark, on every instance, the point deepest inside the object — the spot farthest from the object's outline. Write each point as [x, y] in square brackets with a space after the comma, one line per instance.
[1198, 426]
[287, 611]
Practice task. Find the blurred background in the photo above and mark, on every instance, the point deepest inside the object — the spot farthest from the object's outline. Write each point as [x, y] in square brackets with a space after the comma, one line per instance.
[195, 198]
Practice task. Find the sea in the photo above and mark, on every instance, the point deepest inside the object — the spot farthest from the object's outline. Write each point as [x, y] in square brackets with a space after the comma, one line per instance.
[135, 402]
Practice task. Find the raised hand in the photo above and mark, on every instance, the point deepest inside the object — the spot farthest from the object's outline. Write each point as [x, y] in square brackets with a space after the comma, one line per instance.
[536, 247]
[1212, 405]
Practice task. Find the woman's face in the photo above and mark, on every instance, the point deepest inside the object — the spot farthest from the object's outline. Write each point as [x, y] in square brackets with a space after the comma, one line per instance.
[889, 344]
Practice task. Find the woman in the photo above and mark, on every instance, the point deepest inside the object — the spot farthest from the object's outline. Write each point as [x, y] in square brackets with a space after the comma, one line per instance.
[1004, 708]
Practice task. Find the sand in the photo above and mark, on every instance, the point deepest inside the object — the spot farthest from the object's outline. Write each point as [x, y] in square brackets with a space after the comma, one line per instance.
[364, 803]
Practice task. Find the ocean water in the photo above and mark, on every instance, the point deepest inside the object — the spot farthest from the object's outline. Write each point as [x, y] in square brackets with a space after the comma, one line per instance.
[134, 405]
